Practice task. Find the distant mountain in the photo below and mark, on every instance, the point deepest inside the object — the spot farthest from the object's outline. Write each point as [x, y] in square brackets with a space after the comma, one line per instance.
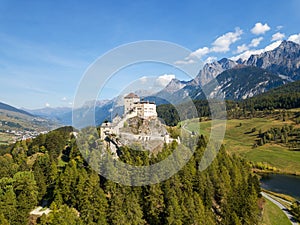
[95, 103]
[211, 70]
[283, 60]
[63, 115]
[48, 112]
[178, 91]
[89, 116]
[174, 86]
[13, 109]
[242, 82]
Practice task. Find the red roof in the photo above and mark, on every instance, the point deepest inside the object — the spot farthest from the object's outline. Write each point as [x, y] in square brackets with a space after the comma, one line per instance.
[131, 95]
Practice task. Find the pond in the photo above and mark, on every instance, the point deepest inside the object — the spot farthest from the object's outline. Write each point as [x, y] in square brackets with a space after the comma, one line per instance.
[286, 184]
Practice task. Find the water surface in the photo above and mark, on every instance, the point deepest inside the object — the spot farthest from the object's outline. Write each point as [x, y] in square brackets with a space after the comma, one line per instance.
[286, 184]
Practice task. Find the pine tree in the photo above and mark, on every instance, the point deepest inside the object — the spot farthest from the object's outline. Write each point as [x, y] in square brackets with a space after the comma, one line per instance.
[67, 183]
[92, 201]
[8, 203]
[154, 205]
[3, 221]
[26, 192]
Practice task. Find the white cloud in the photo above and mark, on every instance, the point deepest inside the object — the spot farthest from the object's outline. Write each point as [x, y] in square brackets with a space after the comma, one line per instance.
[64, 99]
[295, 38]
[260, 28]
[184, 62]
[47, 104]
[241, 48]
[164, 79]
[200, 52]
[279, 27]
[222, 43]
[143, 79]
[148, 82]
[255, 42]
[277, 36]
[245, 55]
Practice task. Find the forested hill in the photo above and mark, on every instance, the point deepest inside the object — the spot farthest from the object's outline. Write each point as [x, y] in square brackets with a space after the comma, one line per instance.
[50, 170]
[283, 97]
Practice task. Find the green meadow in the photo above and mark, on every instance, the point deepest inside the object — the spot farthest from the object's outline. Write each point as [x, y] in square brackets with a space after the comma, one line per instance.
[273, 215]
[240, 139]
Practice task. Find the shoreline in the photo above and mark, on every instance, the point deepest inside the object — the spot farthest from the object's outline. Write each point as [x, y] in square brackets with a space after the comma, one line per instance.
[258, 172]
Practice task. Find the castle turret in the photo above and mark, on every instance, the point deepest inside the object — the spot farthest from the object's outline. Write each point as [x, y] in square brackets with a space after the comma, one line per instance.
[129, 101]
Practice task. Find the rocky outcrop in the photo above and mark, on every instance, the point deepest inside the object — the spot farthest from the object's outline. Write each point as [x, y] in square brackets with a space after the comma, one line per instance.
[283, 60]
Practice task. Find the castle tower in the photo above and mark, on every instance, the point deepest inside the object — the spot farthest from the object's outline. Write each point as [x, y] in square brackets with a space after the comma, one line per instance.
[129, 101]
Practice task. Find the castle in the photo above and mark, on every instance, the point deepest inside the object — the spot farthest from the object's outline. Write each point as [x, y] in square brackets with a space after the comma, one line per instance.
[118, 134]
[133, 107]
[143, 109]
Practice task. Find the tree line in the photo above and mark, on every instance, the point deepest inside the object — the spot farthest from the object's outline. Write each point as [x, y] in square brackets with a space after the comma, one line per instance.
[288, 136]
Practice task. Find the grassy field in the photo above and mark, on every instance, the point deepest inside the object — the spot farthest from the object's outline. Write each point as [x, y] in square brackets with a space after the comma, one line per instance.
[5, 138]
[272, 215]
[239, 139]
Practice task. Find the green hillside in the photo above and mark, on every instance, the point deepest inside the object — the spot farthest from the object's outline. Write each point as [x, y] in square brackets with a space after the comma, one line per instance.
[243, 134]
[284, 97]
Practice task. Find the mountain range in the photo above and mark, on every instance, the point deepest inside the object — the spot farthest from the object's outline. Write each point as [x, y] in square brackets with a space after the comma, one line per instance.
[237, 80]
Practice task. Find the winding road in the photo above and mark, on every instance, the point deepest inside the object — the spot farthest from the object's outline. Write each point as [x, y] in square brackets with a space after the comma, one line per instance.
[282, 207]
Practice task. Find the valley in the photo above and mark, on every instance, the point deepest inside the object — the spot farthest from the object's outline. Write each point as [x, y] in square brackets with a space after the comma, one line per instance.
[149, 112]
[262, 136]
[17, 125]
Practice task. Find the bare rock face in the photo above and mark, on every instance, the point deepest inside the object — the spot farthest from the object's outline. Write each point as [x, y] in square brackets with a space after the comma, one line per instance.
[212, 70]
[283, 60]
[147, 133]
[139, 126]
[244, 82]
[174, 86]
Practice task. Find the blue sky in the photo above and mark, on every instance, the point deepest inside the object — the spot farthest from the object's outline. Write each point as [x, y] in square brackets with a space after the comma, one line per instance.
[46, 46]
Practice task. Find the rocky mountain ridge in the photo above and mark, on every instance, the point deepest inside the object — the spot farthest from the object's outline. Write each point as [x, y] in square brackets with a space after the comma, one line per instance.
[274, 68]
